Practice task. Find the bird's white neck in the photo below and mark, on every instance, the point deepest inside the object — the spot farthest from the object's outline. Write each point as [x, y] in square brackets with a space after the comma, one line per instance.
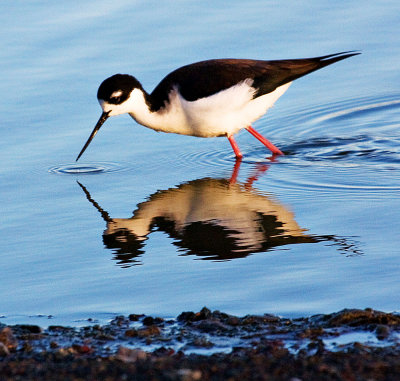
[166, 119]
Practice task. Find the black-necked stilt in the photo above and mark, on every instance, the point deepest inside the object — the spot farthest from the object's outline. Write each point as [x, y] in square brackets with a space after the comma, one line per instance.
[209, 98]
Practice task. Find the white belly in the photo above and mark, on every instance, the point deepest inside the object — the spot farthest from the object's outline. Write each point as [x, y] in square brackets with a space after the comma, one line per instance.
[221, 114]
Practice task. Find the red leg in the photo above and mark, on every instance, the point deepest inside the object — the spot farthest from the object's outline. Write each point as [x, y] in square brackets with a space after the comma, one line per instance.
[235, 147]
[264, 141]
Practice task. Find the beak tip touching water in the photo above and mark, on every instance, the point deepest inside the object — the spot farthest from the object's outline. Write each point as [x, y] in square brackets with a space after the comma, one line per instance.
[103, 118]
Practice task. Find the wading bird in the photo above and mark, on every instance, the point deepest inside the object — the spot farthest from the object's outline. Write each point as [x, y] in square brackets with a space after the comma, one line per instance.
[208, 98]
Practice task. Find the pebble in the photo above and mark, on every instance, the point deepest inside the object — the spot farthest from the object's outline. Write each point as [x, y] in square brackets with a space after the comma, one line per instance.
[130, 355]
[189, 375]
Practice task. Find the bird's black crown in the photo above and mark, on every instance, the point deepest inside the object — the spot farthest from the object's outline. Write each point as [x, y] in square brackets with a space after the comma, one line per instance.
[116, 89]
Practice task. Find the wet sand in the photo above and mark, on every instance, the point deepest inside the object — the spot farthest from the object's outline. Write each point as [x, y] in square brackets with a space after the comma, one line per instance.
[348, 345]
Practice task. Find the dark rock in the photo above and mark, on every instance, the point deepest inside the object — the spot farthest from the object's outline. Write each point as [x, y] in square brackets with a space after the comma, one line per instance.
[28, 328]
[162, 351]
[202, 342]
[312, 333]
[382, 332]
[59, 328]
[233, 320]
[82, 349]
[152, 330]
[134, 317]
[131, 333]
[120, 321]
[356, 318]
[186, 316]
[204, 313]
[27, 347]
[263, 319]
[211, 326]
[148, 320]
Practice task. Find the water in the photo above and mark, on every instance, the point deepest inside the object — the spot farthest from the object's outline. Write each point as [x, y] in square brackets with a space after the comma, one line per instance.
[157, 223]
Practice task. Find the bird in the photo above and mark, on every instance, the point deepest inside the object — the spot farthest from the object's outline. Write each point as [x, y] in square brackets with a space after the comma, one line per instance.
[211, 98]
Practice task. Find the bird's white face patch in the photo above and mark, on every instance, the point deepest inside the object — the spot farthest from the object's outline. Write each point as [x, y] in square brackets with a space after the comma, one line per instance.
[127, 106]
[116, 94]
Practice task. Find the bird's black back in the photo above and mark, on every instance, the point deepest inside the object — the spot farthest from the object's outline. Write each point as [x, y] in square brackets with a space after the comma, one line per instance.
[206, 78]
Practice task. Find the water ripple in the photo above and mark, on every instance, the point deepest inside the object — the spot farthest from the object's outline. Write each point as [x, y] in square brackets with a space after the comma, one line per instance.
[88, 169]
[361, 150]
[208, 157]
[359, 132]
[225, 157]
[339, 118]
[358, 110]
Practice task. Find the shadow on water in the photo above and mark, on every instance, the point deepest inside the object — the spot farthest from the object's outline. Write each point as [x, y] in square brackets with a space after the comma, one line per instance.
[354, 150]
[327, 133]
[213, 218]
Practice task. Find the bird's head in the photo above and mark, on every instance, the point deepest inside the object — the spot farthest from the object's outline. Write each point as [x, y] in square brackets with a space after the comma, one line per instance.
[115, 96]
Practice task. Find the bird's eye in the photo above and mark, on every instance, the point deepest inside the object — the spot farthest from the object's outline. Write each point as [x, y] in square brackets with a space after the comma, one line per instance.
[115, 97]
[115, 100]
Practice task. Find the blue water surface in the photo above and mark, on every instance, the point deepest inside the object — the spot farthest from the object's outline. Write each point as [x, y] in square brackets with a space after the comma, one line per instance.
[161, 223]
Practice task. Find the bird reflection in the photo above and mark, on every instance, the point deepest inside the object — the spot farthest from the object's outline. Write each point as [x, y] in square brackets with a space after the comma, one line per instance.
[217, 219]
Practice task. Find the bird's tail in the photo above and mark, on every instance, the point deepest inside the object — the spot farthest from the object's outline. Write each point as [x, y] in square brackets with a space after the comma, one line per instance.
[332, 58]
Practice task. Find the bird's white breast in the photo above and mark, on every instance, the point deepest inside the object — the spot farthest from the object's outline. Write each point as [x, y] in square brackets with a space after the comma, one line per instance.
[224, 113]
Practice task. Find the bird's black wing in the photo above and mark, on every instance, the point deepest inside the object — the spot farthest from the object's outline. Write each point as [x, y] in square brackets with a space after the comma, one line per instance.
[206, 78]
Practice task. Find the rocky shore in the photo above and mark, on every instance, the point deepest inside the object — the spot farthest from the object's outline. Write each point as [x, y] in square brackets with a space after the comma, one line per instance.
[348, 345]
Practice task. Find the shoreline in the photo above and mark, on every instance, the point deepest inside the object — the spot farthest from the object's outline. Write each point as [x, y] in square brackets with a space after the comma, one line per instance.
[347, 345]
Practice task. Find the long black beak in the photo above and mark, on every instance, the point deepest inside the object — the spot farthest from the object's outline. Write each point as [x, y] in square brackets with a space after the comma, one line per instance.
[103, 118]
